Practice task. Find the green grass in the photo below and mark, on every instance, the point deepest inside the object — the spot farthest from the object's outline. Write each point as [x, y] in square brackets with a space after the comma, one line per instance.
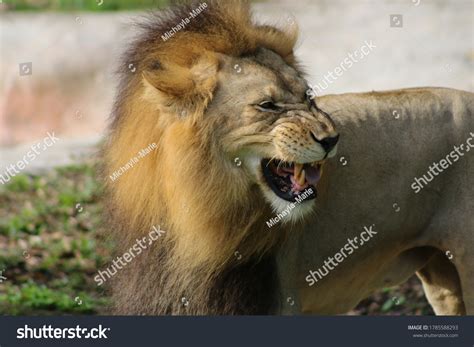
[84, 5]
[51, 243]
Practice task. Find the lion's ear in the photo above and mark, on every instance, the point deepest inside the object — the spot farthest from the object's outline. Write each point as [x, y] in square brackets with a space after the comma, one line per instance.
[182, 88]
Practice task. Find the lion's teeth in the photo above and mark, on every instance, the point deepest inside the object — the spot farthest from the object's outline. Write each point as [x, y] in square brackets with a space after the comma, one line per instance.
[299, 174]
[302, 179]
[297, 170]
[317, 163]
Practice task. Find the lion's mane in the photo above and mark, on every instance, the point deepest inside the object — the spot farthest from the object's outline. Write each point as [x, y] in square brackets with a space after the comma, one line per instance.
[216, 252]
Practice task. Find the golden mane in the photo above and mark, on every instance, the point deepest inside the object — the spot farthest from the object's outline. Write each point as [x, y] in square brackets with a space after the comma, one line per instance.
[174, 186]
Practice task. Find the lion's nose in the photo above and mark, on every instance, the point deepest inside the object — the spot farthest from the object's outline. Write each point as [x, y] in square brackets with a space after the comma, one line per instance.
[328, 143]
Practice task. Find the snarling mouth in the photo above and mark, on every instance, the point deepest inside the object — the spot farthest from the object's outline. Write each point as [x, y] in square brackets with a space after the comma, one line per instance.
[290, 180]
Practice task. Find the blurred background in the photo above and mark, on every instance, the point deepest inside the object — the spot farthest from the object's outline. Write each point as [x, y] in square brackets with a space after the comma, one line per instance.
[57, 63]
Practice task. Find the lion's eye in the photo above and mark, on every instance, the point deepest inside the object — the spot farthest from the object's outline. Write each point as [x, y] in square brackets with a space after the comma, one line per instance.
[268, 106]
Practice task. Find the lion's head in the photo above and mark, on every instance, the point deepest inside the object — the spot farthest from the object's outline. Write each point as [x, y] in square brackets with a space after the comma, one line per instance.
[237, 137]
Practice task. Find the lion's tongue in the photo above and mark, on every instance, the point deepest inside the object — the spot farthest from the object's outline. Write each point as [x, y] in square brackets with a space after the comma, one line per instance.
[313, 175]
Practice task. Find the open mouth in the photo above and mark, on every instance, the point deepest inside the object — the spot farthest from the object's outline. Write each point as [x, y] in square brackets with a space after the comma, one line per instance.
[292, 181]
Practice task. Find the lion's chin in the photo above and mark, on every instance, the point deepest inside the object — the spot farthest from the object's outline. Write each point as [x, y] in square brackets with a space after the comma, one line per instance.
[291, 212]
[292, 182]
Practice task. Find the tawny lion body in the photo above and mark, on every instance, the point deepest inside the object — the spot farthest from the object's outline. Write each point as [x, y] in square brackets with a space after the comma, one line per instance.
[387, 140]
[236, 140]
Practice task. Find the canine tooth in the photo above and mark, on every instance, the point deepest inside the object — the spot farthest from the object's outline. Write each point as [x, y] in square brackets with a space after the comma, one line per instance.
[297, 171]
[301, 179]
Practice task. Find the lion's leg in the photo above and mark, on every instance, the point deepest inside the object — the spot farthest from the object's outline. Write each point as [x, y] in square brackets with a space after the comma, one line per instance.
[466, 274]
[442, 286]
[463, 258]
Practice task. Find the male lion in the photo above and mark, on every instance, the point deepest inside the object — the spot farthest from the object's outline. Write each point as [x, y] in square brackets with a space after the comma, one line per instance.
[239, 154]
